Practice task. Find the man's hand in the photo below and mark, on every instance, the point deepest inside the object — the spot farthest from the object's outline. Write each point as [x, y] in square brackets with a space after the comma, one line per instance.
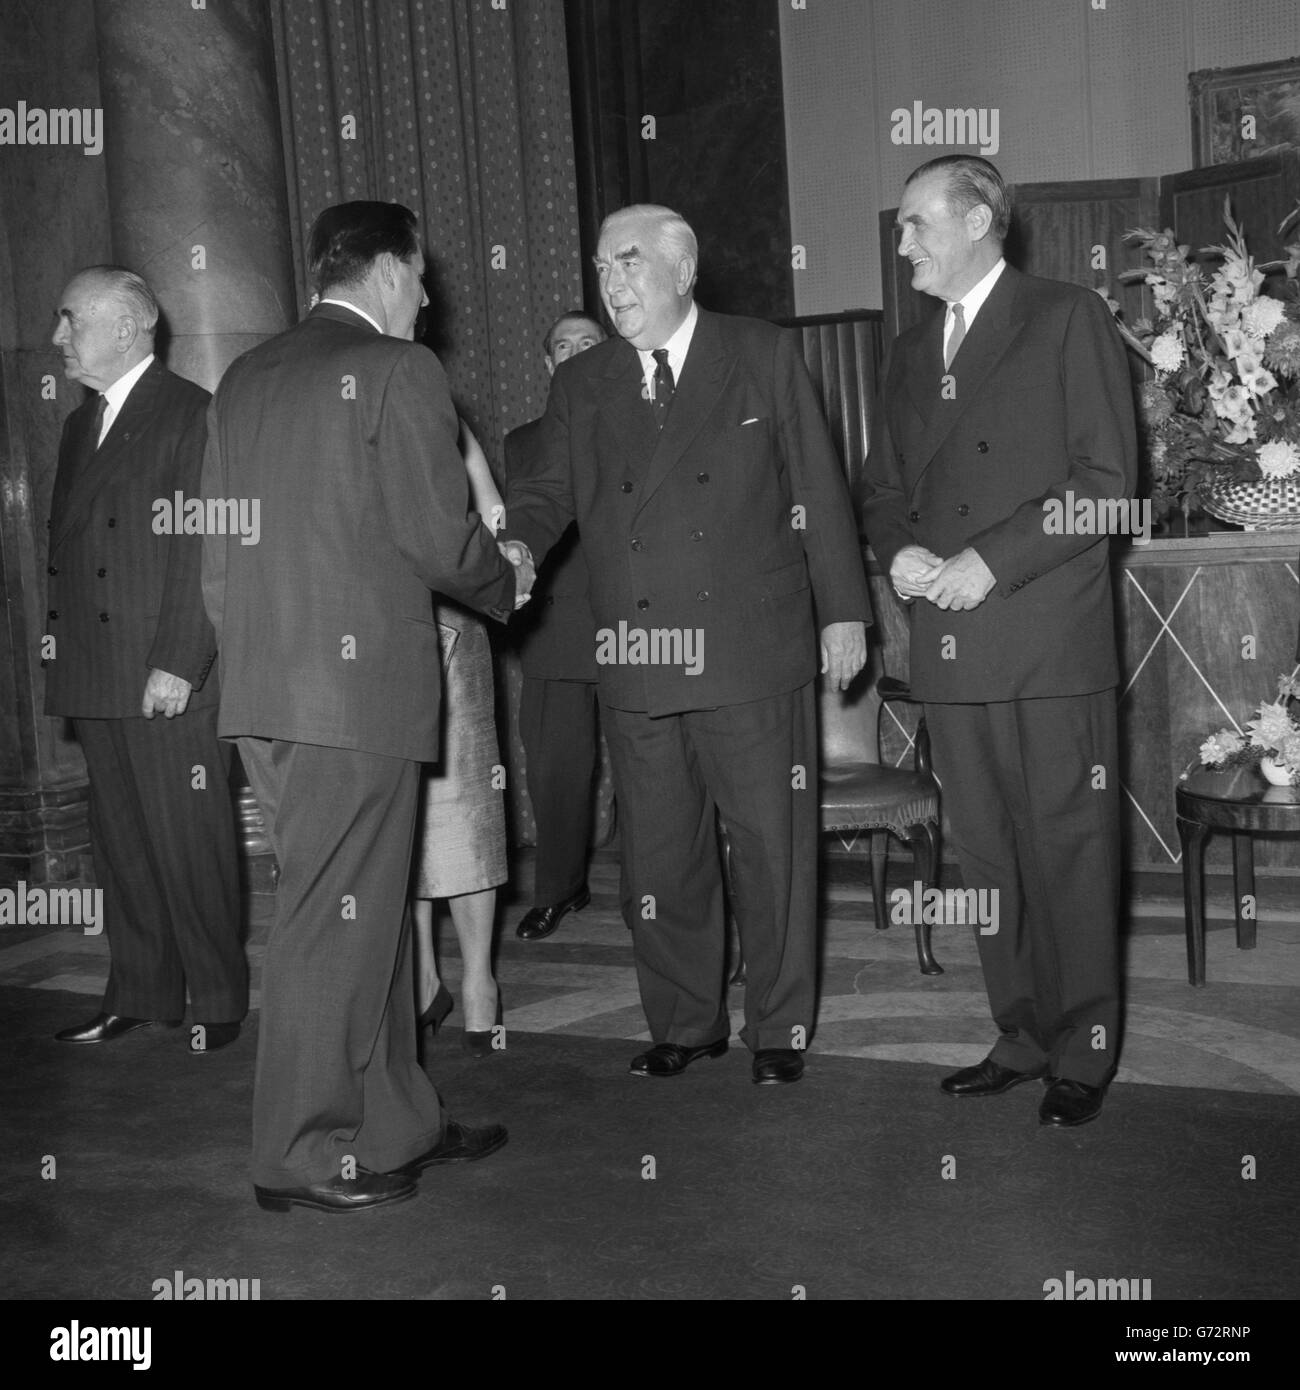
[844, 652]
[164, 694]
[525, 573]
[913, 568]
[964, 581]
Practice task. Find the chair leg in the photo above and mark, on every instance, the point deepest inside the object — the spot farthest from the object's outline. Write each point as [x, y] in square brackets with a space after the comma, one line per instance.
[925, 863]
[879, 862]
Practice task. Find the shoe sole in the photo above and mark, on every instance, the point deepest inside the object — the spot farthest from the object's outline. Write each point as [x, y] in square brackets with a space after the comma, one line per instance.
[777, 1080]
[268, 1202]
[460, 1158]
[1001, 1090]
[542, 935]
[716, 1050]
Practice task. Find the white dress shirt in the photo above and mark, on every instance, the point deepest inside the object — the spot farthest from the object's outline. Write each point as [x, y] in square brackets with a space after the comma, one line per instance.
[971, 303]
[115, 396]
[344, 304]
[678, 346]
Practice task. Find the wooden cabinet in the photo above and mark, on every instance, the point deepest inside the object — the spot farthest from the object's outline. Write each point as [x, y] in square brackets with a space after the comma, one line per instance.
[1263, 192]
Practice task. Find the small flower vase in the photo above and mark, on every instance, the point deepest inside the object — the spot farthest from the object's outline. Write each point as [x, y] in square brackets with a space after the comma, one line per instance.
[1272, 504]
[1275, 772]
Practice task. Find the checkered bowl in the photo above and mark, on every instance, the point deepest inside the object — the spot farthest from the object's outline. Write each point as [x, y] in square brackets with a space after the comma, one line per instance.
[1272, 504]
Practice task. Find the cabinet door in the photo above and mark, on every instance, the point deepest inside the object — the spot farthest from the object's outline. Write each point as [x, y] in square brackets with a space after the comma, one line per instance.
[1061, 231]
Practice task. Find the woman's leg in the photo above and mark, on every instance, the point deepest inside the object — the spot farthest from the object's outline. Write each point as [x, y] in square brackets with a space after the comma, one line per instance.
[426, 963]
[473, 915]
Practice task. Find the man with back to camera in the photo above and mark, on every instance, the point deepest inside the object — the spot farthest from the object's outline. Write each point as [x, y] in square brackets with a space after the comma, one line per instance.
[692, 452]
[132, 642]
[345, 430]
[557, 709]
[992, 411]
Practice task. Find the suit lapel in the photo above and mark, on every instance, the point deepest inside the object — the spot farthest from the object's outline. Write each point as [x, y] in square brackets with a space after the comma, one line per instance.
[994, 330]
[95, 467]
[625, 410]
[704, 374]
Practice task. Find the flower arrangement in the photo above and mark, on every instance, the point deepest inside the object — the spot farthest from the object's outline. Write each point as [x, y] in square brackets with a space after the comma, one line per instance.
[1224, 401]
[1273, 734]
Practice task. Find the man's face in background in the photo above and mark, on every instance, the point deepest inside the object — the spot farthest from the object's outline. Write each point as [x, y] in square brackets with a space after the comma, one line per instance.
[571, 336]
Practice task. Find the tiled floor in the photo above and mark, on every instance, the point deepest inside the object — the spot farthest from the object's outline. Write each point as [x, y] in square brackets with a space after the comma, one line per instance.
[1240, 1033]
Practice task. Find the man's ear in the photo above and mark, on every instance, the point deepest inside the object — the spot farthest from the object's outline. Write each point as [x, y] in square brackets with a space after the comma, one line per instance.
[550, 365]
[388, 269]
[978, 221]
[685, 274]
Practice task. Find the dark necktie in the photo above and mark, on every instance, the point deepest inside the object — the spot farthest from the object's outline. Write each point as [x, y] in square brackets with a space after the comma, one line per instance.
[664, 386]
[955, 337]
[97, 421]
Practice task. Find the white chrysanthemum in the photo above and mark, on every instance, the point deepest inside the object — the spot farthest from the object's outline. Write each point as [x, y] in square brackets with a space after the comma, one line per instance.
[1279, 459]
[1221, 746]
[1167, 352]
[1262, 317]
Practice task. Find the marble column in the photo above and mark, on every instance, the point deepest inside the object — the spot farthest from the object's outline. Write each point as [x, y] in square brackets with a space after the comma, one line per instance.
[196, 182]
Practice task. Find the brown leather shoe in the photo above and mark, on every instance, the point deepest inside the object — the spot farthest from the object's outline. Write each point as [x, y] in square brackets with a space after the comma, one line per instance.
[670, 1059]
[988, 1078]
[361, 1193]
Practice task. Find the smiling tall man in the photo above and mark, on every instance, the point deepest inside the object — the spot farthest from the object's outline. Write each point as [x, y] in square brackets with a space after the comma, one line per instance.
[692, 452]
[1012, 396]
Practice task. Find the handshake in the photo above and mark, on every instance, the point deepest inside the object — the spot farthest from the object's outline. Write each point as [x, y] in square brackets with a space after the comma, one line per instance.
[525, 572]
[961, 582]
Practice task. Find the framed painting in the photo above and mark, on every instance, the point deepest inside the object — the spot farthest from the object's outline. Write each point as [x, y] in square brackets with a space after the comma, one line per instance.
[1243, 113]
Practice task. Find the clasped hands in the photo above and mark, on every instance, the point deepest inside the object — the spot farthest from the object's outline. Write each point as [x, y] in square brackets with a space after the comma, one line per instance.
[961, 582]
[525, 573]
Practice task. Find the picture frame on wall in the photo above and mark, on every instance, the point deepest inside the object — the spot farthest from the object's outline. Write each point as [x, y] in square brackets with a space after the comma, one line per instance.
[1232, 105]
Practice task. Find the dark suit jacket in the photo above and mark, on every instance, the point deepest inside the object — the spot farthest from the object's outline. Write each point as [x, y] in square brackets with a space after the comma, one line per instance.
[123, 599]
[1043, 407]
[326, 627]
[695, 528]
[555, 631]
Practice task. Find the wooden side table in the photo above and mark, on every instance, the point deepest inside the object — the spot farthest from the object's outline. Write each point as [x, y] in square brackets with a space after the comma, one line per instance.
[1242, 802]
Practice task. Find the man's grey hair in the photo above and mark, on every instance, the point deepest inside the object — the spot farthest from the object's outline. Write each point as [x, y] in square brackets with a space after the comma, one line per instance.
[130, 291]
[672, 232]
[969, 182]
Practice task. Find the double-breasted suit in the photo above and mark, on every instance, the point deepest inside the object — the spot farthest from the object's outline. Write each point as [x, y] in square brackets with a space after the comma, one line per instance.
[733, 527]
[330, 668]
[124, 599]
[1035, 410]
[556, 637]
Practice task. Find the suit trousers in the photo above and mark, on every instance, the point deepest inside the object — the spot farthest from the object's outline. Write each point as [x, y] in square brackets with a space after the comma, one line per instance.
[1031, 788]
[557, 723]
[671, 774]
[165, 856]
[337, 1075]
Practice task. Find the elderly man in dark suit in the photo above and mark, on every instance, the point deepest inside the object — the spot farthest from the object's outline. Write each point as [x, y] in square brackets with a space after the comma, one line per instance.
[715, 521]
[130, 642]
[344, 429]
[997, 414]
[557, 709]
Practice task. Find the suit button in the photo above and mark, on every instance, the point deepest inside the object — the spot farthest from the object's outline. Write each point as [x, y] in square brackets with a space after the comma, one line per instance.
[636, 542]
[112, 521]
[914, 516]
[51, 570]
[52, 614]
[103, 617]
[627, 487]
[701, 477]
[963, 510]
[550, 599]
[702, 595]
[697, 535]
[981, 447]
[643, 604]
[101, 573]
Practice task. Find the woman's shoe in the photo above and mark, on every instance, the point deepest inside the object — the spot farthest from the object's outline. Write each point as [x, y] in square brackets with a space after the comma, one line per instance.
[479, 1044]
[428, 1023]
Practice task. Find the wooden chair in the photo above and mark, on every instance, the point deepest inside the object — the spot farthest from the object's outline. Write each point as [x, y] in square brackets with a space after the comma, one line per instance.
[858, 794]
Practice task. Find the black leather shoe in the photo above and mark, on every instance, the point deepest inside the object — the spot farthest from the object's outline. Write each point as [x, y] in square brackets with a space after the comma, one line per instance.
[459, 1144]
[987, 1079]
[214, 1036]
[361, 1193]
[668, 1059]
[540, 922]
[106, 1027]
[776, 1065]
[1070, 1103]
